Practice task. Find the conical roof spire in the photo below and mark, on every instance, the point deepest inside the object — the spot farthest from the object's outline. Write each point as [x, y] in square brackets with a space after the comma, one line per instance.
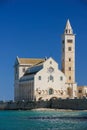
[68, 28]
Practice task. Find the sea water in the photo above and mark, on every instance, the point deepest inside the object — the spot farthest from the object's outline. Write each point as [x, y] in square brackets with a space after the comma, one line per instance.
[43, 120]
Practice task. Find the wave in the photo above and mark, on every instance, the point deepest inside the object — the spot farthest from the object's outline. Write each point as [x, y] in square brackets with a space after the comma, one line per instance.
[82, 118]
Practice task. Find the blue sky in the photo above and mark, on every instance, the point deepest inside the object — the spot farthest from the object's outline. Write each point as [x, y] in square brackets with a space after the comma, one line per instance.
[33, 28]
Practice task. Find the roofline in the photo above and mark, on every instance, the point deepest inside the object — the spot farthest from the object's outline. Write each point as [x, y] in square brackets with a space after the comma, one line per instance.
[17, 58]
[32, 58]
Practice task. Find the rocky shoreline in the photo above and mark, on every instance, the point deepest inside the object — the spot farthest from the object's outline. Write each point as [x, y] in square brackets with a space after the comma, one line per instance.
[49, 109]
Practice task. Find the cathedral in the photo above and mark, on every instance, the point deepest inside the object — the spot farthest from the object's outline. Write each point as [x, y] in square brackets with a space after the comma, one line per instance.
[41, 79]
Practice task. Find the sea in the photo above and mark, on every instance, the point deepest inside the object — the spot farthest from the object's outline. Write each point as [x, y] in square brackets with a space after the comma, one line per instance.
[43, 120]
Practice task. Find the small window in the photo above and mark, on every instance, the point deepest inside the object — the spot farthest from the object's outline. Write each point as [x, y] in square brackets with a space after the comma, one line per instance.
[69, 48]
[51, 91]
[69, 59]
[39, 77]
[69, 68]
[66, 30]
[69, 30]
[80, 91]
[61, 78]
[50, 62]
[23, 70]
[63, 69]
[51, 77]
[70, 41]
[63, 41]
[69, 77]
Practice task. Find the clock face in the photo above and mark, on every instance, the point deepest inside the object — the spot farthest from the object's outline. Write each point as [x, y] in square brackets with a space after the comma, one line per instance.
[50, 69]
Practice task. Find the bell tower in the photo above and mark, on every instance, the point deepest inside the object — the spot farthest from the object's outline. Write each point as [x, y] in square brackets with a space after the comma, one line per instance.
[68, 53]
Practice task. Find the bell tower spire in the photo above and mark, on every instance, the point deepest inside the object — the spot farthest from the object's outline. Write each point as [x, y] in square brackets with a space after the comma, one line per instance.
[68, 53]
[68, 28]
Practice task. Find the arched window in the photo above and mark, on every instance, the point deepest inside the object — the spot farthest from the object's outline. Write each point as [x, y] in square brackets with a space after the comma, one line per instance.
[39, 78]
[51, 91]
[66, 30]
[51, 77]
[61, 78]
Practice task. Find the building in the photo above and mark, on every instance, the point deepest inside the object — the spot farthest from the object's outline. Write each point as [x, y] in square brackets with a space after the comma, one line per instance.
[68, 59]
[41, 79]
[82, 92]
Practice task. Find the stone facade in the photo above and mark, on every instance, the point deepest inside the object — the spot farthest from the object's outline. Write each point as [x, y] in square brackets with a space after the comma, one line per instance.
[52, 82]
[42, 81]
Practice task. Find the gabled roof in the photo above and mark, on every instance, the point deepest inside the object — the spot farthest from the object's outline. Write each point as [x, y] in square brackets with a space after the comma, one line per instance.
[37, 67]
[34, 69]
[30, 61]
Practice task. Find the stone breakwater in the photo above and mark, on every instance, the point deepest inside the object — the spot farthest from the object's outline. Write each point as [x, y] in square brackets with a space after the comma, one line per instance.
[72, 104]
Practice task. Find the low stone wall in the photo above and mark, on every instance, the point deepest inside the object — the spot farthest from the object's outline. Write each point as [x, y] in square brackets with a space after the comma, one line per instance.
[3, 106]
[24, 105]
[74, 104]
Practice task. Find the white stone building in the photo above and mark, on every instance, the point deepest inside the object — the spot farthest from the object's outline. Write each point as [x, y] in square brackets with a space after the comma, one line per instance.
[41, 79]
